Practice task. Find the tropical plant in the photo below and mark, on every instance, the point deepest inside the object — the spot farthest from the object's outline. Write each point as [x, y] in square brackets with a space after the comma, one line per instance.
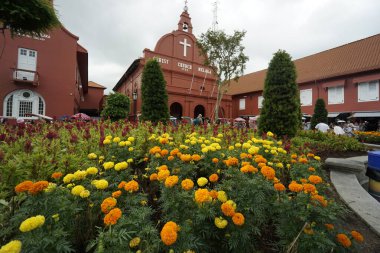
[281, 111]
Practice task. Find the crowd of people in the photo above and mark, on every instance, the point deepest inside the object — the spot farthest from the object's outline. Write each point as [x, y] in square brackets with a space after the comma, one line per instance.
[342, 128]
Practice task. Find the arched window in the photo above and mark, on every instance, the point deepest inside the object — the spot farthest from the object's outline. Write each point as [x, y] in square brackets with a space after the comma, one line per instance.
[21, 103]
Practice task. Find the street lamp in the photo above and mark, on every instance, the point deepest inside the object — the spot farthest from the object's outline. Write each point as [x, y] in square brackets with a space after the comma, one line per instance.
[134, 97]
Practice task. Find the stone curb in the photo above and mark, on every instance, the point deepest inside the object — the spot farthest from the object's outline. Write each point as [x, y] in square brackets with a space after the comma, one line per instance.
[358, 199]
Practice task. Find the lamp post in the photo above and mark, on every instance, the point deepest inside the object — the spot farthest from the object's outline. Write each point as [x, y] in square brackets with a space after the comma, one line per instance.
[134, 97]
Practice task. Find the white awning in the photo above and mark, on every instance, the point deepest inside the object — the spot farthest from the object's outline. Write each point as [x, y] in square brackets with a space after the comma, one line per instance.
[333, 114]
[365, 114]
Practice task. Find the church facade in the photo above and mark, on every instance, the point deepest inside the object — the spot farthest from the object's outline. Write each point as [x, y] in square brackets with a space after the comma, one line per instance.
[191, 86]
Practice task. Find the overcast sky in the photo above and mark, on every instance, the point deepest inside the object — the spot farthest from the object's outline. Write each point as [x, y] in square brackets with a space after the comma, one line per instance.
[115, 32]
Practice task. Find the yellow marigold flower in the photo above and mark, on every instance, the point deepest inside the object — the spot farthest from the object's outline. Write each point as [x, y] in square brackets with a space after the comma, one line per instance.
[50, 187]
[107, 141]
[92, 156]
[122, 144]
[23, 187]
[220, 222]
[77, 190]
[295, 187]
[279, 187]
[280, 165]
[84, 194]
[163, 174]
[343, 240]
[131, 139]
[357, 236]
[270, 134]
[116, 139]
[315, 179]
[238, 219]
[80, 174]
[11, 247]
[32, 223]
[228, 209]
[92, 170]
[131, 186]
[38, 187]
[213, 178]
[308, 230]
[317, 158]
[168, 235]
[108, 204]
[112, 217]
[100, 184]
[187, 184]
[202, 181]
[108, 165]
[121, 166]
[171, 181]
[222, 196]
[153, 177]
[109, 137]
[202, 195]
[55, 217]
[268, 172]
[134, 242]
[130, 149]
[56, 175]
[329, 226]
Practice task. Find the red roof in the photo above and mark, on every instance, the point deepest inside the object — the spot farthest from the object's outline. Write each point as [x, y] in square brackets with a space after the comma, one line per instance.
[96, 85]
[358, 56]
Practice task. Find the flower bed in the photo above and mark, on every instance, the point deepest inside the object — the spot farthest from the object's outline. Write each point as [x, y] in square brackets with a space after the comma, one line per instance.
[164, 189]
[368, 137]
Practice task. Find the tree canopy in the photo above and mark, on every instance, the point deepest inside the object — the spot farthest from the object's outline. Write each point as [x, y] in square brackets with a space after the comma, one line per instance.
[33, 17]
[117, 107]
[281, 111]
[320, 113]
[225, 55]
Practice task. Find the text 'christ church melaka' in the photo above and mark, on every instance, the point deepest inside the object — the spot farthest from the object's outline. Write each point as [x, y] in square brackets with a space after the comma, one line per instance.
[191, 86]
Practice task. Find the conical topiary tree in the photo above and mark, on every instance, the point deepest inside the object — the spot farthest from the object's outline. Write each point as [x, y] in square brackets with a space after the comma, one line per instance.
[154, 96]
[281, 111]
[320, 113]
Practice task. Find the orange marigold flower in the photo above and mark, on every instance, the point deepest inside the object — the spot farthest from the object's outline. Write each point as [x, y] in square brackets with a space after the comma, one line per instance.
[38, 187]
[260, 165]
[329, 226]
[227, 209]
[169, 233]
[171, 181]
[268, 172]
[185, 157]
[112, 217]
[303, 180]
[215, 160]
[163, 167]
[174, 152]
[213, 194]
[310, 155]
[238, 219]
[315, 179]
[23, 186]
[121, 185]
[131, 186]
[116, 194]
[155, 150]
[279, 187]
[196, 157]
[172, 225]
[344, 240]
[153, 177]
[163, 174]
[312, 169]
[56, 175]
[260, 159]
[108, 204]
[202, 195]
[232, 161]
[164, 152]
[170, 158]
[187, 184]
[294, 156]
[213, 178]
[320, 199]
[302, 160]
[309, 188]
[295, 187]
[357, 236]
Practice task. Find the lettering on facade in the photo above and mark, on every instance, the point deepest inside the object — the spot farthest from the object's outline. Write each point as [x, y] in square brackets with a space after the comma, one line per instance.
[161, 60]
[184, 66]
[42, 37]
[204, 70]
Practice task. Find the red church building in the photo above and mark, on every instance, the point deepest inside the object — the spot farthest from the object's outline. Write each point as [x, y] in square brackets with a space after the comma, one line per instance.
[346, 78]
[47, 75]
[191, 86]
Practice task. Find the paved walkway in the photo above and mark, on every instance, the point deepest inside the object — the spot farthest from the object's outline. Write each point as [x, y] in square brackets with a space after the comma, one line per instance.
[351, 191]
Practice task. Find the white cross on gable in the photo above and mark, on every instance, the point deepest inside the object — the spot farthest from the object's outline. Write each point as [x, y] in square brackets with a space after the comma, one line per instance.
[185, 45]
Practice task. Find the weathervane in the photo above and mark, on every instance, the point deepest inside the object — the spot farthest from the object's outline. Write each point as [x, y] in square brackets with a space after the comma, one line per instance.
[185, 8]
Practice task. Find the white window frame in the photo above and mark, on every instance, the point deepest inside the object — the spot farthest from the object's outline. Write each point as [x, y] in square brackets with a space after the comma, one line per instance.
[260, 101]
[364, 92]
[306, 97]
[26, 60]
[242, 104]
[333, 93]
[18, 97]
